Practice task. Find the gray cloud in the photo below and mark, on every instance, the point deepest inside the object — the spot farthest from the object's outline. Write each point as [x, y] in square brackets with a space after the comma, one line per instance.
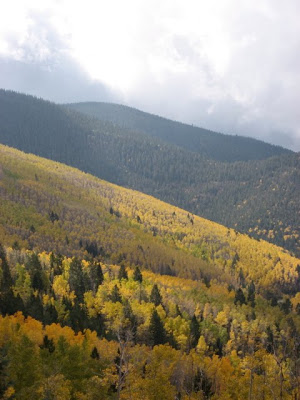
[238, 76]
[65, 82]
[42, 65]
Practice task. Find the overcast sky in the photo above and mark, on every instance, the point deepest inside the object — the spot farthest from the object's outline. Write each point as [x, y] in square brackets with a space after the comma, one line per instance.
[227, 65]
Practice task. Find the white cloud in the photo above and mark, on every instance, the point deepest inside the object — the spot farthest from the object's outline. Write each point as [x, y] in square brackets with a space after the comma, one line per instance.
[231, 65]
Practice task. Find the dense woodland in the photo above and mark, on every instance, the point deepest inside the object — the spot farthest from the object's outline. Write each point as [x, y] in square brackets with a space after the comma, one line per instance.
[82, 329]
[258, 197]
[49, 206]
[212, 145]
[108, 293]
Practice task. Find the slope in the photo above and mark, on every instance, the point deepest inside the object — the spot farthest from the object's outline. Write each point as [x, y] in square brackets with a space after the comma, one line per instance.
[86, 321]
[257, 197]
[212, 145]
[52, 207]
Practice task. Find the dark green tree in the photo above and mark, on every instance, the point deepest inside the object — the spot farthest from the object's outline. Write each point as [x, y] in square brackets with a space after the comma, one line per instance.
[96, 276]
[48, 344]
[157, 331]
[251, 294]
[242, 279]
[239, 297]
[76, 280]
[35, 307]
[195, 332]
[9, 304]
[115, 295]
[95, 354]
[50, 314]
[122, 273]
[137, 275]
[155, 296]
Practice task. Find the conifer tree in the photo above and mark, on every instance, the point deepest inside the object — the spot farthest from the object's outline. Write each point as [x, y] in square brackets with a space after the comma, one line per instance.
[35, 307]
[95, 354]
[195, 332]
[50, 315]
[76, 281]
[9, 304]
[157, 331]
[137, 275]
[122, 273]
[251, 294]
[239, 297]
[155, 296]
[96, 275]
[48, 344]
[115, 295]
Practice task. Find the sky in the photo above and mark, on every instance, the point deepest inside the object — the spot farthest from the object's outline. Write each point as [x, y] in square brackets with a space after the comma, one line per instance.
[232, 66]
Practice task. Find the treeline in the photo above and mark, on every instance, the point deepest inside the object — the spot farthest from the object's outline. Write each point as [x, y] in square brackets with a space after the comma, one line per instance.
[258, 197]
[82, 329]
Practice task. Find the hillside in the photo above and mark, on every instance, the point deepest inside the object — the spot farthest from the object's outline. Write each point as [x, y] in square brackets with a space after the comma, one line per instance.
[98, 331]
[108, 293]
[52, 207]
[211, 145]
[256, 197]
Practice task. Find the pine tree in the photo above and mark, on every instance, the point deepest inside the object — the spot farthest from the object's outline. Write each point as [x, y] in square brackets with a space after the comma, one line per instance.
[50, 315]
[195, 332]
[76, 281]
[157, 331]
[137, 275]
[95, 354]
[115, 295]
[35, 307]
[48, 344]
[96, 275]
[242, 279]
[122, 273]
[9, 304]
[239, 297]
[155, 296]
[6, 279]
[251, 294]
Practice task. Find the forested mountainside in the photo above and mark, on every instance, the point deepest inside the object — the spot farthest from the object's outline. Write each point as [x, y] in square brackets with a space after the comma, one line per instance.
[49, 206]
[74, 329]
[108, 293]
[212, 145]
[256, 197]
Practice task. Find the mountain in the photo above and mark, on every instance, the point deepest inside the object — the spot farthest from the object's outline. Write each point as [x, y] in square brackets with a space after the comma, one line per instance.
[211, 145]
[258, 197]
[96, 303]
[49, 206]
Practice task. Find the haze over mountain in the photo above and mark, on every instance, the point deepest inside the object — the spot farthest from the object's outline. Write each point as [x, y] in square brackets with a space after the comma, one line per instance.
[231, 68]
[259, 197]
[210, 144]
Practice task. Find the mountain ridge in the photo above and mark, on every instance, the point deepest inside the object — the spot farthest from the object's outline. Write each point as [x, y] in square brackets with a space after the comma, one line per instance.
[190, 137]
[51, 206]
[255, 197]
